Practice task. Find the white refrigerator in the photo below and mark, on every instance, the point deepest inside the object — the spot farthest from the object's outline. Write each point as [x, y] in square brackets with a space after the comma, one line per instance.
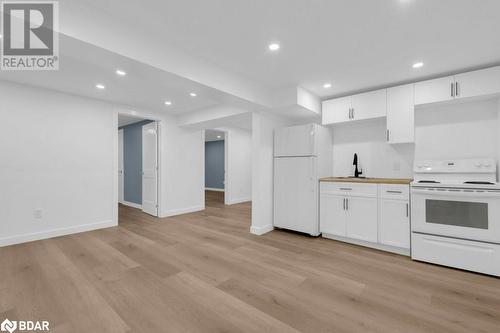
[302, 155]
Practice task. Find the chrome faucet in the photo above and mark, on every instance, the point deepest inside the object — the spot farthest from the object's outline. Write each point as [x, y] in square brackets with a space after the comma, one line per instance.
[355, 163]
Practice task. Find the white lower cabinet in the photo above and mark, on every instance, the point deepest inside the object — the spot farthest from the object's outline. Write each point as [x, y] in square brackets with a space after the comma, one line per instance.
[362, 218]
[332, 214]
[374, 215]
[394, 223]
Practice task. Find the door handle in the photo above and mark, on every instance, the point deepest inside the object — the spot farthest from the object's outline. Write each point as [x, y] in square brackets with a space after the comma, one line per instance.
[343, 203]
[407, 210]
[452, 89]
[387, 135]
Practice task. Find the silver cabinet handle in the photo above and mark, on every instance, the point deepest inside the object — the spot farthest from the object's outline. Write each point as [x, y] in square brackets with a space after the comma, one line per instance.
[387, 135]
[457, 93]
[391, 191]
[347, 204]
[343, 203]
[349, 113]
[352, 113]
[452, 89]
[345, 189]
[407, 210]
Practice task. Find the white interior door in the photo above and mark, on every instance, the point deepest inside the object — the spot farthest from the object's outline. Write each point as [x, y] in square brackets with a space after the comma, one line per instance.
[150, 168]
[121, 176]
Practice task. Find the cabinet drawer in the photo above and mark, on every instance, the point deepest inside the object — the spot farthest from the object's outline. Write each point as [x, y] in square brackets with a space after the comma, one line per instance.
[394, 191]
[349, 189]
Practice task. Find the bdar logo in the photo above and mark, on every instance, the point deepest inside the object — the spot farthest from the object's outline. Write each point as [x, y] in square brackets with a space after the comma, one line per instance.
[8, 326]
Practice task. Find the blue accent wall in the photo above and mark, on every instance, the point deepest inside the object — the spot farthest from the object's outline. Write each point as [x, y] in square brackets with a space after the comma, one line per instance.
[214, 164]
[132, 161]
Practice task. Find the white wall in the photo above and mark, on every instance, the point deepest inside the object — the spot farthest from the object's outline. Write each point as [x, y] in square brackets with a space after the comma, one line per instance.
[185, 174]
[464, 130]
[57, 156]
[59, 153]
[263, 126]
[238, 187]
[375, 156]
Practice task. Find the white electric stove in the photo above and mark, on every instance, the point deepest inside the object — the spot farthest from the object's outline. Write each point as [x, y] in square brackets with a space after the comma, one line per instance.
[455, 217]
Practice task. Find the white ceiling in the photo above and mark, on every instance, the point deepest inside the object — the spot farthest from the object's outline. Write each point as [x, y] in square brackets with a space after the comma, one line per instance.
[213, 135]
[354, 44]
[82, 66]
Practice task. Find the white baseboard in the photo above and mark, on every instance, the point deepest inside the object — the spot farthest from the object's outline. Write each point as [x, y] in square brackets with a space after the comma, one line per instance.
[55, 233]
[131, 204]
[214, 189]
[238, 200]
[261, 230]
[180, 211]
[388, 248]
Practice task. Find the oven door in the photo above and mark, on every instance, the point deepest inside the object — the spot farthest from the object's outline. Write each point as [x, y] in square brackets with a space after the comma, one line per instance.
[460, 213]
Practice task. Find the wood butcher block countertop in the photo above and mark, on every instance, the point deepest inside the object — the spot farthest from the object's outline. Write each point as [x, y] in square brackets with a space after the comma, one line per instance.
[396, 181]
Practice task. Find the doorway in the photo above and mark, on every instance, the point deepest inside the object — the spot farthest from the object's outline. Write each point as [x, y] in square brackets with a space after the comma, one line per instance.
[138, 163]
[215, 167]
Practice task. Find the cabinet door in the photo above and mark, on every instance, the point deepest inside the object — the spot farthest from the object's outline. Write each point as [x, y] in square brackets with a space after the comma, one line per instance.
[478, 83]
[362, 218]
[332, 214]
[400, 114]
[369, 105]
[336, 110]
[432, 91]
[395, 223]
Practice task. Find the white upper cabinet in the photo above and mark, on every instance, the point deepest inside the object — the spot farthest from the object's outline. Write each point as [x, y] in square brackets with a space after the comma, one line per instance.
[369, 105]
[478, 83]
[336, 110]
[437, 90]
[400, 114]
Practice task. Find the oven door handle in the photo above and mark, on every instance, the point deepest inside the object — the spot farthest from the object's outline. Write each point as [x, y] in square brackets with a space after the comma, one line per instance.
[458, 194]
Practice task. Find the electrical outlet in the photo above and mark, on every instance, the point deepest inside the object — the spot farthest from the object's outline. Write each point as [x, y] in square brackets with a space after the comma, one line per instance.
[38, 214]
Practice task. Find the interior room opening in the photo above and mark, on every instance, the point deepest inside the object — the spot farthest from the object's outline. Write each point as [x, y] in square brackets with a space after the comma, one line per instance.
[138, 164]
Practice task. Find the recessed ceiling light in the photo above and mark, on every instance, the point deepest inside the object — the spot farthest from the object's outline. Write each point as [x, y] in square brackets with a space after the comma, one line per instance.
[218, 137]
[274, 46]
[120, 72]
[168, 103]
[192, 94]
[418, 64]
[100, 86]
[327, 85]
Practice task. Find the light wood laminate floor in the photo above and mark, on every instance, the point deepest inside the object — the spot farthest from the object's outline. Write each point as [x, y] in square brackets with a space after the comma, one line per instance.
[204, 272]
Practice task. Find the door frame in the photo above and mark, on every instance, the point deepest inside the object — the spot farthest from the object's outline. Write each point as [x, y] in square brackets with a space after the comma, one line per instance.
[226, 169]
[161, 172]
[121, 191]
